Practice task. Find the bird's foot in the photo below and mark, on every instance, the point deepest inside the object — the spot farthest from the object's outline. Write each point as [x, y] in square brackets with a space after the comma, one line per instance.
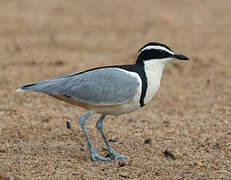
[114, 155]
[95, 156]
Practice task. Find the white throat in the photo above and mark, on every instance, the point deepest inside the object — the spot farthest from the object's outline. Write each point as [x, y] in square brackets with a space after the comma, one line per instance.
[153, 70]
[158, 62]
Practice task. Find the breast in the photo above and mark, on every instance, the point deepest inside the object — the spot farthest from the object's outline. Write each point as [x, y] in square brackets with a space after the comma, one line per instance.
[153, 84]
[153, 73]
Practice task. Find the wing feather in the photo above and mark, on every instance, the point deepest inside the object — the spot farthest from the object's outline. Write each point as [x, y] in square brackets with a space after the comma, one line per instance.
[105, 86]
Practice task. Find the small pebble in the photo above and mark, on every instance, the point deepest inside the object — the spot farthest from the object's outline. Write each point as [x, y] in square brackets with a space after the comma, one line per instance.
[121, 164]
[2, 151]
[46, 120]
[147, 140]
[125, 175]
[216, 146]
[104, 149]
[112, 140]
[58, 62]
[110, 156]
[68, 125]
[130, 120]
[168, 154]
[167, 123]
[157, 173]
[200, 165]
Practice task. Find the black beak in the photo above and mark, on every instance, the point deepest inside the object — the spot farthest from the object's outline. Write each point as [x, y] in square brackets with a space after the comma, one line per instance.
[180, 57]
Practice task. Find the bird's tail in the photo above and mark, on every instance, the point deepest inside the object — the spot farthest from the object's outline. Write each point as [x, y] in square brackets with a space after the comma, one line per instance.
[48, 86]
[27, 87]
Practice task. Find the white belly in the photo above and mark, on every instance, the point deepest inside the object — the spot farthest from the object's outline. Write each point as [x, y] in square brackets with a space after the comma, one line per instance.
[127, 107]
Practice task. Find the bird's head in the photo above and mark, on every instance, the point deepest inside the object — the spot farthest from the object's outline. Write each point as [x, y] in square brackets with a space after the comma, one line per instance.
[158, 52]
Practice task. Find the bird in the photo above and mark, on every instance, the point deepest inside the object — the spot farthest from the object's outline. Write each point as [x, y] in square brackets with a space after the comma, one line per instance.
[110, 90]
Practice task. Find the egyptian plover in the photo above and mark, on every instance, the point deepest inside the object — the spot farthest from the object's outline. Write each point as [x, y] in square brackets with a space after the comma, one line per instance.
[110, 90]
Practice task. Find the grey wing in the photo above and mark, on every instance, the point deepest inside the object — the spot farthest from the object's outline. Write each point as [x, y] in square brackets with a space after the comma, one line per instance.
[103, 86]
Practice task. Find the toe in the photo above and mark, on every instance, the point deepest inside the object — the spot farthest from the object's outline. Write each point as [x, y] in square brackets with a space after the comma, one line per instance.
[114, 155]
[95, 156]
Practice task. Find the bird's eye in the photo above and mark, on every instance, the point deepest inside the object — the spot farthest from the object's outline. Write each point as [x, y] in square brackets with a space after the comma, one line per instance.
[162, 52]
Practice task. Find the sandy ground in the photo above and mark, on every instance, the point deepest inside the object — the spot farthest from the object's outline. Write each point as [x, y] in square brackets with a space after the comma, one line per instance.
[189, 118]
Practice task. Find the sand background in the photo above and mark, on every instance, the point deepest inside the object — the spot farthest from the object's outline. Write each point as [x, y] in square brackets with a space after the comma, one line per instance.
[189, 117]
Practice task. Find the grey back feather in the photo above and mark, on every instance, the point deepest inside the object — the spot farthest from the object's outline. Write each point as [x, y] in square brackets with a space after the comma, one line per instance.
[106, 86]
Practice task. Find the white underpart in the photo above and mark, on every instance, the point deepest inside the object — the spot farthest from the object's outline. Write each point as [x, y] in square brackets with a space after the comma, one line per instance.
[126, 107]
[20, 90]
[153, 70]
[157, 47]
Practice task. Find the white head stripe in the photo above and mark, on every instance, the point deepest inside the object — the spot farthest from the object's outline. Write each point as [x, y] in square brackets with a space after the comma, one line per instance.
[157, 47]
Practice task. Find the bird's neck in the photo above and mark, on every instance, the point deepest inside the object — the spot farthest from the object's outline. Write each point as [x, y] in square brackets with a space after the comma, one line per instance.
[153, 70]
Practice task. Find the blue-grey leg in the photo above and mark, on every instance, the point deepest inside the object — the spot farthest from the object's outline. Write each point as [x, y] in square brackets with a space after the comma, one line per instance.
[111, 152]
[94, 156]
